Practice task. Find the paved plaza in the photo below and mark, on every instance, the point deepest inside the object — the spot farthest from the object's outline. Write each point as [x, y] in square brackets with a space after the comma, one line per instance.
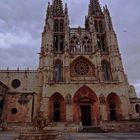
[83, 136]
[103, 136]
[8, 135]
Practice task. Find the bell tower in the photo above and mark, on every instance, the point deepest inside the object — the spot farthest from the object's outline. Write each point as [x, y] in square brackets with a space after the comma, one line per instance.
[58, 17]
[77, 61]
[95, 23]
[99, 23]
[54, 43]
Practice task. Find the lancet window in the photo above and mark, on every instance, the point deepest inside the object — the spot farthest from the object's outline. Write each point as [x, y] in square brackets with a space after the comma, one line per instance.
[101, 43]
[106, 70]
[58, 71]
[99, 26]
[58, 35]
[56, 25]
[61, 25]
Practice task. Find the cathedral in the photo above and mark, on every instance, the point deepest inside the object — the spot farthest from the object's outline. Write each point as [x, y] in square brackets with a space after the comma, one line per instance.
[80, 79]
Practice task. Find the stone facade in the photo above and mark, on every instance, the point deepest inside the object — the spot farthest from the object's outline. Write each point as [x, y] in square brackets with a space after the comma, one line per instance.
[20, 98]
[80, 78]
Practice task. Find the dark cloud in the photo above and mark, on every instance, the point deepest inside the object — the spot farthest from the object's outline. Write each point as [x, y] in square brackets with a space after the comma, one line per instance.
[21, 24]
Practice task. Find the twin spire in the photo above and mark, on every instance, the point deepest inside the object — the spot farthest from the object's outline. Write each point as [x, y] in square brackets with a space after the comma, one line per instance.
[94, 7]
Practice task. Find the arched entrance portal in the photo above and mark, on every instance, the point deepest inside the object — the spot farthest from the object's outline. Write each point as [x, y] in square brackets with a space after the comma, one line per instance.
[86, 106]
[114, 107]
[113, 116]
[57, 108]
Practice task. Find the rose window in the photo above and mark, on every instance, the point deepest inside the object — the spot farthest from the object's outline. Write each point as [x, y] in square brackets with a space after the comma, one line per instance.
[81, 67]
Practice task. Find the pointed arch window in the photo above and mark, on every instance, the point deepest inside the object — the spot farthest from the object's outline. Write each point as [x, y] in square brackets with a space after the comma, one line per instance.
[56, 43]
[101, 43]
[58, 36]
[96, 25]
[101, 26]
[103, 46]
[61, 25]
[61, 43]
[106, 70]
[58, 71]
[56, 25]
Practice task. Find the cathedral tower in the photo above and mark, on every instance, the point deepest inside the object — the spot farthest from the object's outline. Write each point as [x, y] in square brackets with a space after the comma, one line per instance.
[80, 70]
[80, 79]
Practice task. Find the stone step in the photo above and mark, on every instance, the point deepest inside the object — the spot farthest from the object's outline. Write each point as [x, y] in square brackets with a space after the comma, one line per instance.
[41, 135]
[92, 130]
[19, 127]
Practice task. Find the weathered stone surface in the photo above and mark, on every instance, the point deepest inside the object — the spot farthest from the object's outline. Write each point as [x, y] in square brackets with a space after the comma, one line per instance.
[80, 79]
[41, 135]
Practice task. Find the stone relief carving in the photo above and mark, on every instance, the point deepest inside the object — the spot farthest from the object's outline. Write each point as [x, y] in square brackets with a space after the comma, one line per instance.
[23, 99]
[102, 99]
[68, 99]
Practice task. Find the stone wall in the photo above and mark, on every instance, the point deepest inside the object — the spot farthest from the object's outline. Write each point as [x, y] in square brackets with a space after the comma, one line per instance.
[98, 89]
[18, 108]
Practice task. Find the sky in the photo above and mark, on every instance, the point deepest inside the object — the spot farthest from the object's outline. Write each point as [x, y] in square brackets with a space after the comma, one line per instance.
[22, 21]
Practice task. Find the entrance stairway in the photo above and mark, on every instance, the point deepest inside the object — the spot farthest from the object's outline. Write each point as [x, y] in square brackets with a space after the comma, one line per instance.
[91, 129]
[41, 135]
[19, 127]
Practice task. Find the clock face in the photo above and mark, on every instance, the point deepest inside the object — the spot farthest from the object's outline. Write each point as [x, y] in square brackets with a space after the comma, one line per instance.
[81, 67]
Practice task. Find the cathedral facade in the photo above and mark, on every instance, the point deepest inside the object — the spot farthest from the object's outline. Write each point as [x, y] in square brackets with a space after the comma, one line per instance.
[80, 78]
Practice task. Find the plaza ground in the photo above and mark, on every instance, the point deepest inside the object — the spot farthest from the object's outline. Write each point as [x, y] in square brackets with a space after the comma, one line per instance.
[83, 136]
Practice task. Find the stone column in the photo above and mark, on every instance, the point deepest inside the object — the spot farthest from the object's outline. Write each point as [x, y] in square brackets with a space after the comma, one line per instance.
[69, 111]
[103, 112]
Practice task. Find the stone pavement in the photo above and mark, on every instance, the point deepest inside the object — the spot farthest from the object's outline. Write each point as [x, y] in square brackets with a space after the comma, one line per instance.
[8, 135]
[102, 136]
[83, 136]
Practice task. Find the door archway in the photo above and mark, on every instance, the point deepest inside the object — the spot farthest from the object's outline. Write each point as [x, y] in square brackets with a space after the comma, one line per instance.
[86, 106]
[57, 108]
[114, 107]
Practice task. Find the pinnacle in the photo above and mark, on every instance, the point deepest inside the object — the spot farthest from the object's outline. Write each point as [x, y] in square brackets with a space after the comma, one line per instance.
[57, 6]
[94, 8]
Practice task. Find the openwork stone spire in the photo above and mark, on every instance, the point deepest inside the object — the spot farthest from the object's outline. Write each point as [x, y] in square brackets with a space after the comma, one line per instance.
[94, 8]
[57, 7]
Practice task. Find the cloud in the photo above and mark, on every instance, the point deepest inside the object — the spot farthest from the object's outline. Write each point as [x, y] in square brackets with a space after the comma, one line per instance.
[21, 24]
